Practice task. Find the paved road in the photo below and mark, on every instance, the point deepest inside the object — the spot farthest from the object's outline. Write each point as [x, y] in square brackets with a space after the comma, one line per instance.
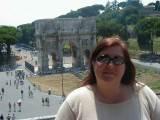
[155, 66]
[31, 106]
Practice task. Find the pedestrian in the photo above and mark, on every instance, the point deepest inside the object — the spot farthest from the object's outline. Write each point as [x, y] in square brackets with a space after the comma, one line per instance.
[29, 87]
[110, 90]
[14, 106]
[34, 86]
[21, 93]
[19, 102]
[0, 96]
[7, 83]
[46, 100]
[42, 101]
[10, 106]
[2, 90]
[10, 82]
[31, 94]
[1, 117]
[8, 117]
[13, 117]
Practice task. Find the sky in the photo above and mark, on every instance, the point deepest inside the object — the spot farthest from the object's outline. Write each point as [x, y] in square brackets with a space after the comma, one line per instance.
[17, 12]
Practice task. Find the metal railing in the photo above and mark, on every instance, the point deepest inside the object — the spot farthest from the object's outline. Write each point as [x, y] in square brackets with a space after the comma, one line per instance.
[51, 117]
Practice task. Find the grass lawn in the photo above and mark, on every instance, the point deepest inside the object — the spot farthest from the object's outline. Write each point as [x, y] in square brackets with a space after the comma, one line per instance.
[54, 82]
[71, 82]
[149, 77]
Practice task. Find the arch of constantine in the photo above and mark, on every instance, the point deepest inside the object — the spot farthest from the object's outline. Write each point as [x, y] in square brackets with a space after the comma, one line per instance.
[53, 34]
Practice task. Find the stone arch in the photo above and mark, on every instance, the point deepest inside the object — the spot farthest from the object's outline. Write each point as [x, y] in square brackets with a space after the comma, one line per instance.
[52, 34]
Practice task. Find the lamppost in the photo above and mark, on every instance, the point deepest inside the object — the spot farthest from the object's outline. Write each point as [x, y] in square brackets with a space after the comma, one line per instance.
[62, 85]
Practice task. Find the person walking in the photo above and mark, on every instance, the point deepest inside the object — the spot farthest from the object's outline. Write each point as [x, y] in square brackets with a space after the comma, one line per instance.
[2, 90]
[1, 117]
[14, 106]
[13, 117]
[43, 101]
[1, 97]
[21, 93]
[29, 87]
[48, 101]
[10, 106]
[10, 83]
[19, 102]
[8, 117]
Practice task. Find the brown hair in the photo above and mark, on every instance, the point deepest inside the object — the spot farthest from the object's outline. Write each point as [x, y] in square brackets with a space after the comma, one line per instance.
[129, 74]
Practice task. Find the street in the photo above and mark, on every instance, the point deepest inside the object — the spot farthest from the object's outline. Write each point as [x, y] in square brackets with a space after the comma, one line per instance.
[31, 104]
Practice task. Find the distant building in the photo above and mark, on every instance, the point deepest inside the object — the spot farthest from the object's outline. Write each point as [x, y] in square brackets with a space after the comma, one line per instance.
[149, 10]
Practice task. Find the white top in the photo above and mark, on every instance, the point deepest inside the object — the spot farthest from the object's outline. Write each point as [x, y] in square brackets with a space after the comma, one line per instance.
[82, 105]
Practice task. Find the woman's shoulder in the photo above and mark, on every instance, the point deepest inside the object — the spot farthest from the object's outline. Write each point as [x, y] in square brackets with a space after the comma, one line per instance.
[139, 86]
[145, 92]
[148, 97]
[143, 88]
[80, 93]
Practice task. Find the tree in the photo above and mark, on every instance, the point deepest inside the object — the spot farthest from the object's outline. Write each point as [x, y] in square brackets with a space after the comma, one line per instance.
[146, 28]
[109, 23]
[129, 15]
[105, 29]
[7, 36]
[157, 28]
[122, 4]
[88, 11]
[25, 33]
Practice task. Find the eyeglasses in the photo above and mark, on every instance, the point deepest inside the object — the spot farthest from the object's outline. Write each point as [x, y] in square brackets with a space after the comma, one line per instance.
[117, 60]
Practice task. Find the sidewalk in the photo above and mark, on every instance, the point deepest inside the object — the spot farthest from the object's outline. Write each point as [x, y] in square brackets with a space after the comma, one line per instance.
[31, 106]
[155, 66]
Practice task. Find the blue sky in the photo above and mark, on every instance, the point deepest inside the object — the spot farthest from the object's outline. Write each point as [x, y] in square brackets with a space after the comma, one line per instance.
[17, 12]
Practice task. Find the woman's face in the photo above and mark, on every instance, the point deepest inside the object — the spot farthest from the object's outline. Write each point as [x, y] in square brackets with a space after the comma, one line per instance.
[109, 65]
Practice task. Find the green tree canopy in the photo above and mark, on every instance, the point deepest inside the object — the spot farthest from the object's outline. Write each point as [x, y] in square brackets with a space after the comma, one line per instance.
[105, 29]
[145, 29]
[84, 12]
[25, 33]
[7, 36]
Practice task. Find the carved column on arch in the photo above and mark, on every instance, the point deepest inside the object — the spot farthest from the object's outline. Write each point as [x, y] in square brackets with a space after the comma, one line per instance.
[42, 57]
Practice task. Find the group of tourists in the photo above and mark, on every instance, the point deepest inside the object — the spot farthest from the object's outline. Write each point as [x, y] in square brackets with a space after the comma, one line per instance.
[8, 117]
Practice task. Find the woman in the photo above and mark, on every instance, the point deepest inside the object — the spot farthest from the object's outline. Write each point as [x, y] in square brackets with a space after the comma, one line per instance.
[110, 91]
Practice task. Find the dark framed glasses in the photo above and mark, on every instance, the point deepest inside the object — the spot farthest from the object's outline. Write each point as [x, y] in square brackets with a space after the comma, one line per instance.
[116, 60]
